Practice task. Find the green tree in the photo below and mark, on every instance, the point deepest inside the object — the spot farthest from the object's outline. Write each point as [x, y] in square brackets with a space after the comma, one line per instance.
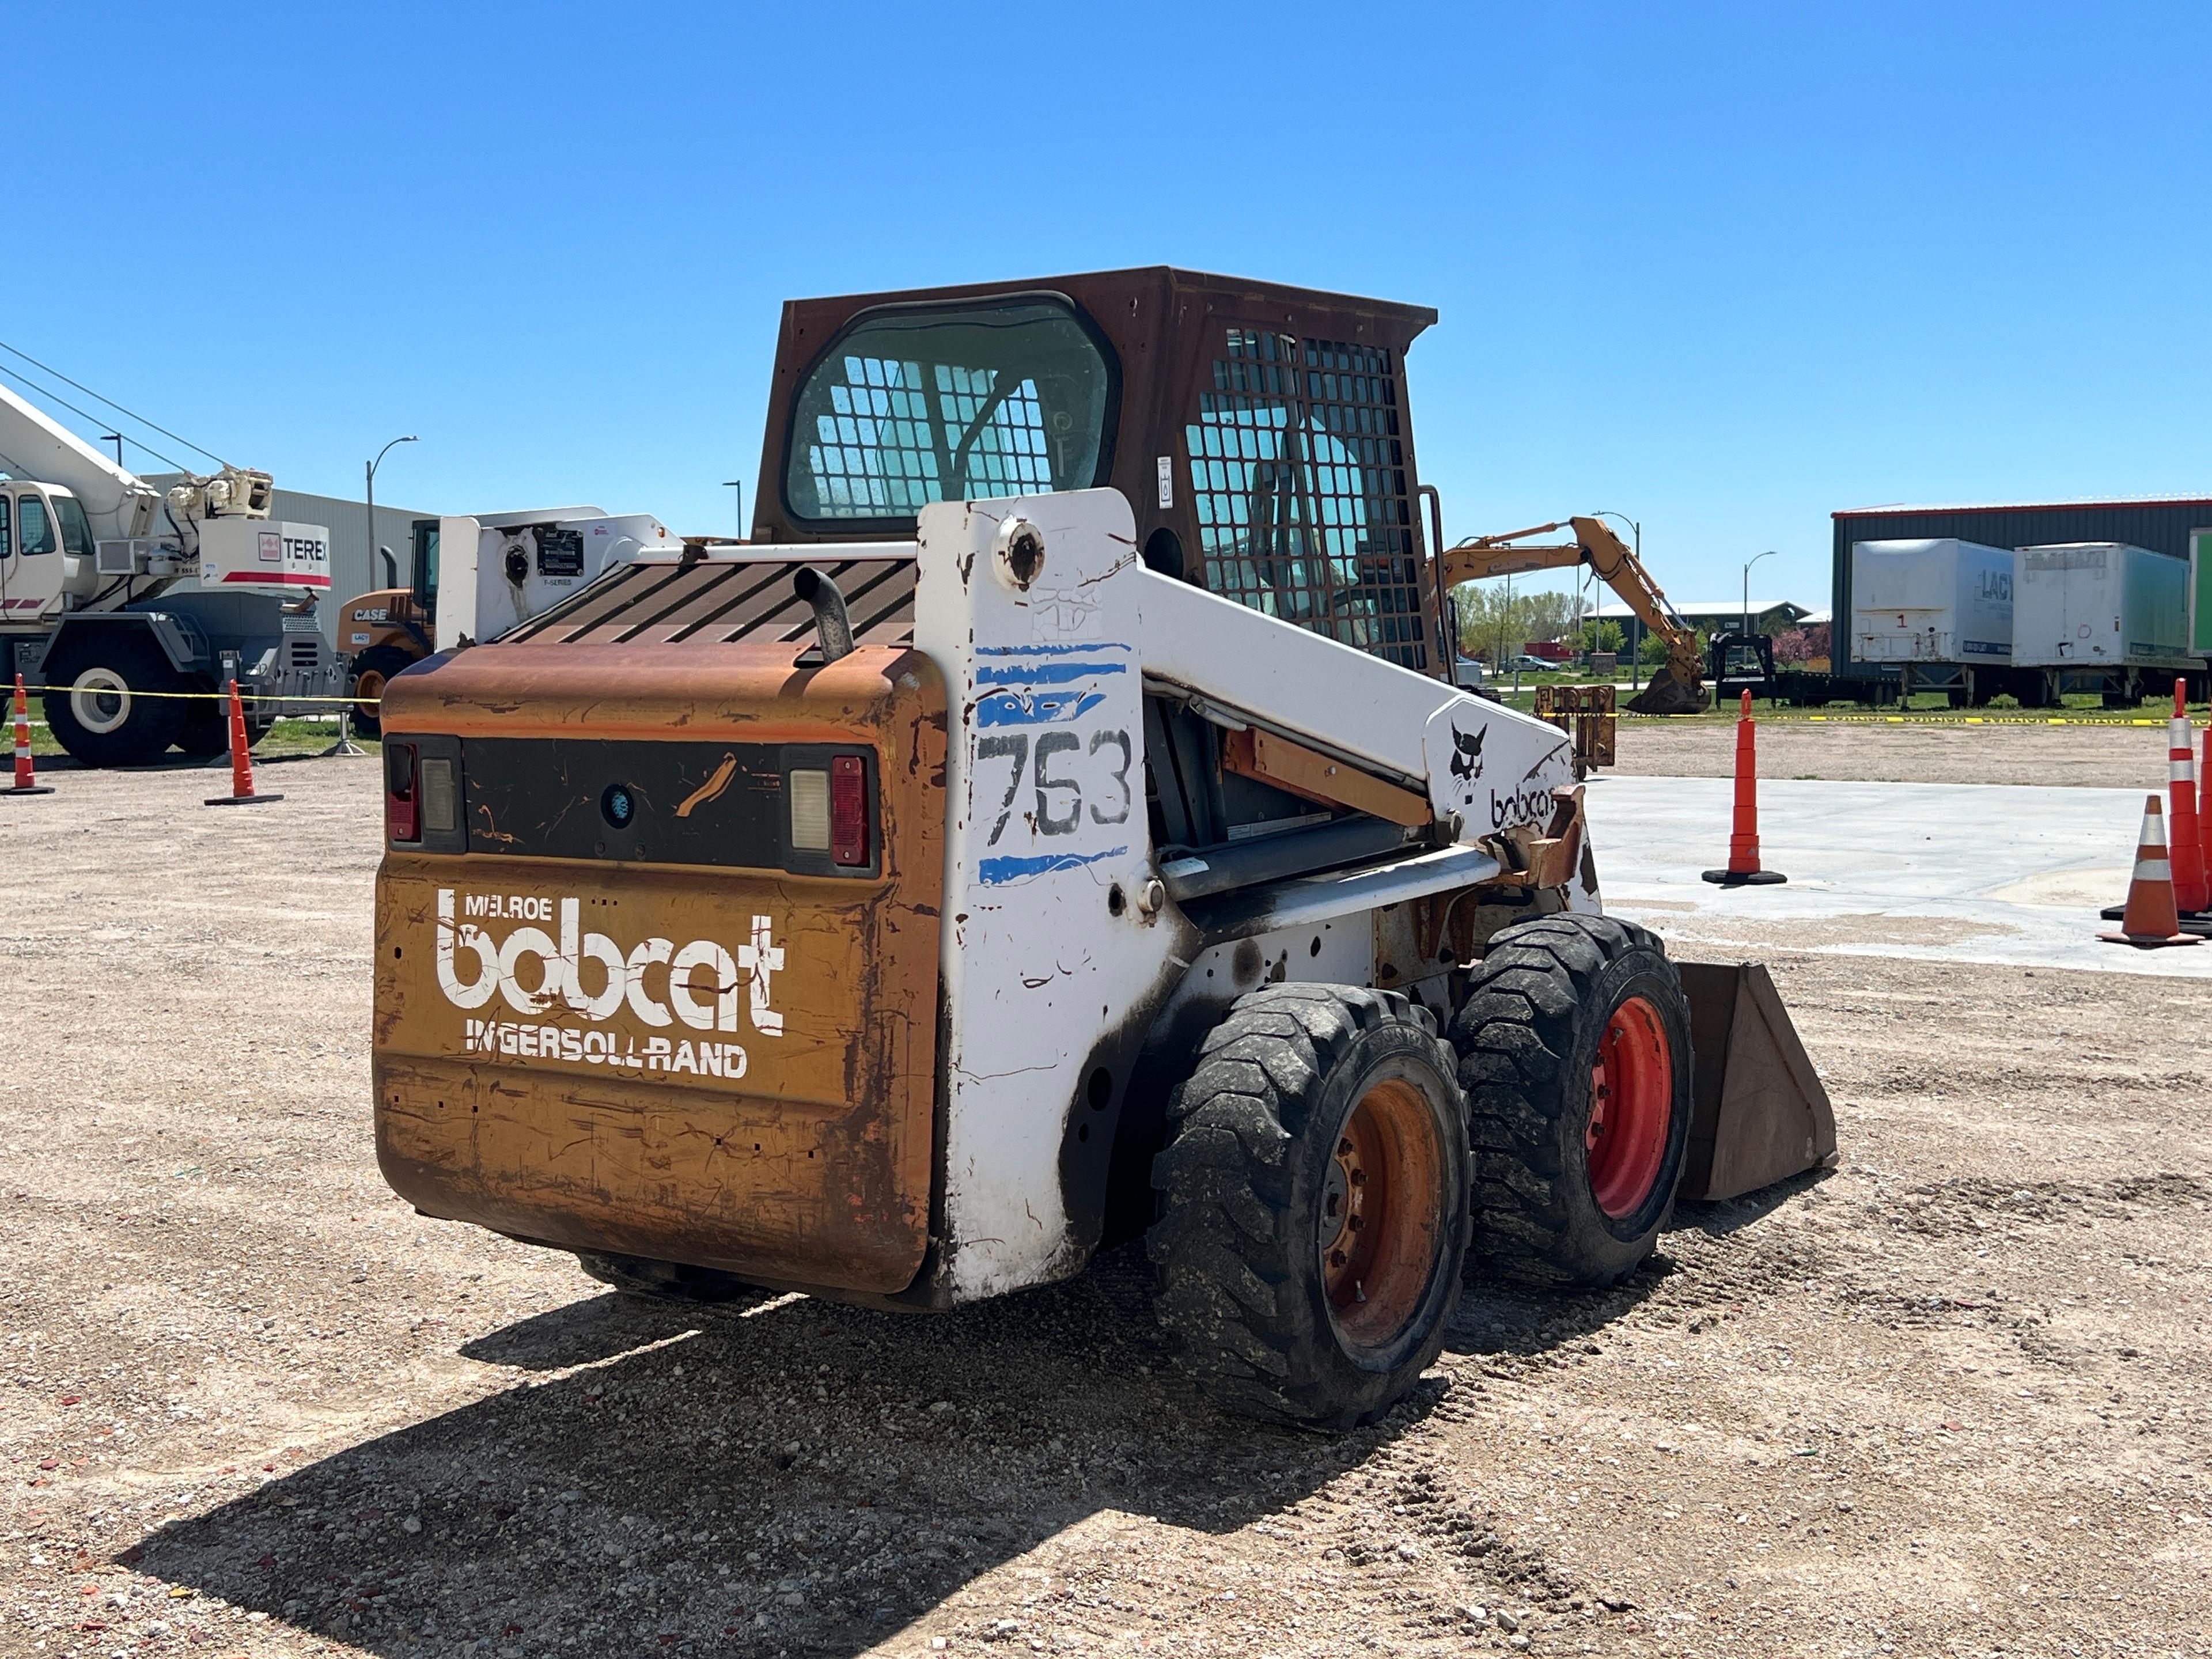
[1601, 637]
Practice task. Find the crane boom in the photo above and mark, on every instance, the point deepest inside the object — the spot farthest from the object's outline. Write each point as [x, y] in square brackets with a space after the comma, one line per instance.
[34, 444]
[1677, 689]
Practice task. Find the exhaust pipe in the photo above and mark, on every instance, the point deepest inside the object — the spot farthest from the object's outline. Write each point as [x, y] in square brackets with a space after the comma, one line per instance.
[831, 624]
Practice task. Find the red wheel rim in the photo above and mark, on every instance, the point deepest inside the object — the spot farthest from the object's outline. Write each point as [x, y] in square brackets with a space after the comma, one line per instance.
[1632, 1107]
[1381, 1208]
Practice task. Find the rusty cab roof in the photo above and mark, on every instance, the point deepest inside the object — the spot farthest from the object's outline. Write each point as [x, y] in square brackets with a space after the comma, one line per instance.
[1199, 364]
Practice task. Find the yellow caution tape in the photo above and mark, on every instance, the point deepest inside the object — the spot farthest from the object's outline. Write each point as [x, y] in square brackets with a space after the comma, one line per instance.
[245, 695]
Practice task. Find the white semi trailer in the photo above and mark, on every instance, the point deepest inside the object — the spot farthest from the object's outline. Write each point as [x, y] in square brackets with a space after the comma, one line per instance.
[119, 596]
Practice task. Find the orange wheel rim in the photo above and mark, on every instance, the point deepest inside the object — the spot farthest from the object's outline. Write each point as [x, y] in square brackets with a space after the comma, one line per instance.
[1382, 1210]
[1631, 1108]
[369, 688]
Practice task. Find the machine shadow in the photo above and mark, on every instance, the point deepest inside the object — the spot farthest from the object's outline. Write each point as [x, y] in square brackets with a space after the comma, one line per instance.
[796, 1475]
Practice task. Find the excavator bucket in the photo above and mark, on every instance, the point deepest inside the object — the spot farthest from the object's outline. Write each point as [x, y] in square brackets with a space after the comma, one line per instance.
[1759, 1113]
[1666, 695]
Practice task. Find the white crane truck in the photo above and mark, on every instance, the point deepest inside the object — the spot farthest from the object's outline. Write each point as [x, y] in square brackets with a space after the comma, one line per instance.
[120, 596]
[904, 917]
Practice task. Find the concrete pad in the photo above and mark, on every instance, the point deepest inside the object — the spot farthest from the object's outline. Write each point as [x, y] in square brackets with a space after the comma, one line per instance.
[1960, 873]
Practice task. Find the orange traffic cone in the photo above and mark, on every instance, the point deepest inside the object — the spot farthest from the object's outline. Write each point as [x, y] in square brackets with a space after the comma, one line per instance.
[1743, 869]
[27, 776]
[2191, 892]
[2150, 919]
[241, 762]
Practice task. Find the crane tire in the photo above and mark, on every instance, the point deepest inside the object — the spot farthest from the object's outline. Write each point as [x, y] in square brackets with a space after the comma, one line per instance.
[1312, 1204]
[1574, 1055]
[98, 716]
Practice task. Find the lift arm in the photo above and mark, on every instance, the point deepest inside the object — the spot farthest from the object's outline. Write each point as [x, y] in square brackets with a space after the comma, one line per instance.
[1677, 689]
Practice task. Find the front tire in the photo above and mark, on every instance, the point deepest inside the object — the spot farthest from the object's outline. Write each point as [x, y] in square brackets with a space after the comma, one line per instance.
[374, 669]
[102, 718]
[1574, 1046]
[1313, 1204]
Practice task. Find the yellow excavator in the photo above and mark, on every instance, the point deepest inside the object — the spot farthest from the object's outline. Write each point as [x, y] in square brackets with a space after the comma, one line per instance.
[1677, 689]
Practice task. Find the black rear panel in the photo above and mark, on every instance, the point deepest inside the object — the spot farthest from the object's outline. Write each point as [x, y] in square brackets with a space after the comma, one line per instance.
[715, 804]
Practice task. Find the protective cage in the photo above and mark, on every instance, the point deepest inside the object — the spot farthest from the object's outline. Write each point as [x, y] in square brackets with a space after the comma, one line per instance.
[1261, 435]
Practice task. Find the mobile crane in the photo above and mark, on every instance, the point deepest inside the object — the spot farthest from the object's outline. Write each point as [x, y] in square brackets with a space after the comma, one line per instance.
[1054, 825]
[117, 595]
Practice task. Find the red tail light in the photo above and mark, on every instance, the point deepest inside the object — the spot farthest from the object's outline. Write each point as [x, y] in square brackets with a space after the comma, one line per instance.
[848, 810]
[403, 803]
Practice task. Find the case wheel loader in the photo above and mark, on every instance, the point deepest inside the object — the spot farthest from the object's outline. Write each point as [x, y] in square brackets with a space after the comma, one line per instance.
[1053, 827]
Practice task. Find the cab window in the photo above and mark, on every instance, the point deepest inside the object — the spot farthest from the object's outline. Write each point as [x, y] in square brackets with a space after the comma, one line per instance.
[36, 530]
[76, 529]
[921, 403]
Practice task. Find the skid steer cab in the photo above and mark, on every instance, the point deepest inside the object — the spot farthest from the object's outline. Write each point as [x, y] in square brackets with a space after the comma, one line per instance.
[1052, 827]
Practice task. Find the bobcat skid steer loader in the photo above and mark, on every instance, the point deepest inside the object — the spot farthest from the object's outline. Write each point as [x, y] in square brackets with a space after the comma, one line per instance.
[904, 917]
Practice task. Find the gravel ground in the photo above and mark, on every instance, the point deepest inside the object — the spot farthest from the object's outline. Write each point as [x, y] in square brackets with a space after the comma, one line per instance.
[2108, 755]
[1947, 1399]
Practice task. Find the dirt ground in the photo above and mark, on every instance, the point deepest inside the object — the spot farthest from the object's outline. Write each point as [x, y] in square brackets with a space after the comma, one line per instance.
[2105, 756]
[1949, 1399]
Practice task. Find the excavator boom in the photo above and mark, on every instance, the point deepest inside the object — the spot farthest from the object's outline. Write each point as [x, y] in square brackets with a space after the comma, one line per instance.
[1678, 688]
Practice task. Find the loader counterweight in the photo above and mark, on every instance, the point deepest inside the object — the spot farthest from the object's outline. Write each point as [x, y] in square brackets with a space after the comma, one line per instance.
[680, 1037]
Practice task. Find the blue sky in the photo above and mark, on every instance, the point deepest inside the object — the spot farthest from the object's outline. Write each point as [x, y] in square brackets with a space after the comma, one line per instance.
[1722, 268]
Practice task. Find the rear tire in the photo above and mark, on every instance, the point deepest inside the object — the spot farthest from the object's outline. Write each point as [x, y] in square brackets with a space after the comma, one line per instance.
[100, 719]
[1313, 1209]
[1574, 1168]
[371, 672]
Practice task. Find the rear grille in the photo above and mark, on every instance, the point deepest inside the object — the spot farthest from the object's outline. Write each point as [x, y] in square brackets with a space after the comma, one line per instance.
[303, 653]
[723, 601]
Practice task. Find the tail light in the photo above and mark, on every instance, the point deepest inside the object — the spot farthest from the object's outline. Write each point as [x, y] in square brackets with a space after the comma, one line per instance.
[848, 810]
[403, 806]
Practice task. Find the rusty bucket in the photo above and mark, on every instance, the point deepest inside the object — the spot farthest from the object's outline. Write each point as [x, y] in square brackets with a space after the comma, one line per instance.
[1759, 1113]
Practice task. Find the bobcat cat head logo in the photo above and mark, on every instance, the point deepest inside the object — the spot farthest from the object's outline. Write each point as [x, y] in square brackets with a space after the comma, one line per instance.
[1466, 757]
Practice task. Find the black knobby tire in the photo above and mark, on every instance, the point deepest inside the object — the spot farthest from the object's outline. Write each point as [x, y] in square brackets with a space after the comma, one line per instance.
[379, 665]
[1537, 1012]
[1254, 1189]
[146, 726]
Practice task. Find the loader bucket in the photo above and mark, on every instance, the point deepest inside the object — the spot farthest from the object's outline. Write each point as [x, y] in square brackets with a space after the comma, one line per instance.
[1665, 695]
[1759, 1113]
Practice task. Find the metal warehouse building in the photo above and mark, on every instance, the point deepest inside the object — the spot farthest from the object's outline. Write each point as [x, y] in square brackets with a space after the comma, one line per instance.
[2163, 524]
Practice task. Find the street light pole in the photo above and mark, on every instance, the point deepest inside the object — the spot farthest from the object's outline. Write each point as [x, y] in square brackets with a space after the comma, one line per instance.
[1635, 529]
[738, 484]
[1753, 560]
[371, 491]
[346, 737]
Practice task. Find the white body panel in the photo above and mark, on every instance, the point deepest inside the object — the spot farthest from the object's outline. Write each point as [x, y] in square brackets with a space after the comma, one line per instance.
[1045, 783]
[1041, 965]
[251, 554]
[497, 573]
[1943, 600]
[2099, 604]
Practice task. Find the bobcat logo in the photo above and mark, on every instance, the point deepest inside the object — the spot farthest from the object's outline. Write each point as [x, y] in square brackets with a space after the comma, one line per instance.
[1466, 757]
